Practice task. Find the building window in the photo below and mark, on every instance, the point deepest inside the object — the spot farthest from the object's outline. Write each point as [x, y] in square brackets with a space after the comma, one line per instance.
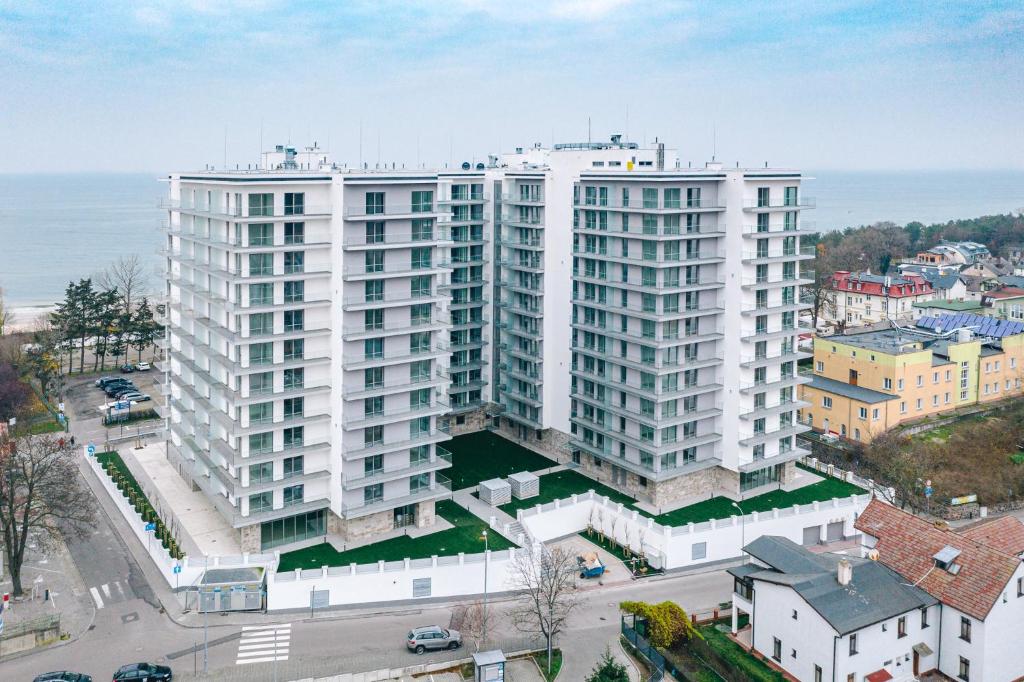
[698, 550]
[294, 233]
[924, 618]
[261, 473]
[901, 627]
[853, 644]
[374, 203]
[965, 628]
[817, 673]
[294, 203]
[261, 502]
[293, 495]
[794, 614]
[776, 649]
[965, 669]
[887, 384]
[826, 402]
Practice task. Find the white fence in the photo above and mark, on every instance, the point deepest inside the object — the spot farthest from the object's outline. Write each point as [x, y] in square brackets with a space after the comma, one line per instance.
[190, 569]
[438, 576]
[695, 543]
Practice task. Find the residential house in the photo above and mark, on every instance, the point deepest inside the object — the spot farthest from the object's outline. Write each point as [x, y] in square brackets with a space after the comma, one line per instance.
[977, 576]
[1005, 302]
[864, 298]
[867, 382]
[831, 617]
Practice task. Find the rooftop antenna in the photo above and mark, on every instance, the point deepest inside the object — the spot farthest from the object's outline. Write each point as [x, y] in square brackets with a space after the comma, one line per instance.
[378, 146]
[588, 131]
[260, 154]
[714, 142]
[417, 149]
[360, 141]
[225, 147]
[627, 123]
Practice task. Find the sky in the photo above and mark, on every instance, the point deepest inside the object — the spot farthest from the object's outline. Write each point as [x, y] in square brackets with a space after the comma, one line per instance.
[157, 85]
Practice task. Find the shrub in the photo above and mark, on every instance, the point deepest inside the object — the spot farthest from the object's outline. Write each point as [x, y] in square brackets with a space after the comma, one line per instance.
[667, 622]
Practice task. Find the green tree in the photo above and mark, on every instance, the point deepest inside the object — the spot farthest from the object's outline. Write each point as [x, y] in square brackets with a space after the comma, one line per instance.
[608, 670]
[144, 328]
[667, 622]
[106, 306]
[76, 319]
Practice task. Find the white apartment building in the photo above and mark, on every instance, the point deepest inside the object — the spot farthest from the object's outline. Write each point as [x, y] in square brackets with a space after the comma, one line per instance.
[329, 328]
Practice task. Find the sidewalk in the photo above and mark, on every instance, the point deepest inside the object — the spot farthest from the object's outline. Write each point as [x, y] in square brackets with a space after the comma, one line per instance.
[50, 567]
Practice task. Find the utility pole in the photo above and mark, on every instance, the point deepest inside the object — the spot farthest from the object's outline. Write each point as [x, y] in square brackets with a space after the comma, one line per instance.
[487, 560]
[743, 530]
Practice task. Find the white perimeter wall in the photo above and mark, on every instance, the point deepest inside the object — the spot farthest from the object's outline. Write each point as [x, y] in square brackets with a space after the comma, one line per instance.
[679, 547]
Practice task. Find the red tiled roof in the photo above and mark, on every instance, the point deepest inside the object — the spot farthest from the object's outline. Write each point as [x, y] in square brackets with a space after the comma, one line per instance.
[867, 283]
[906, 544]
[1005, 534]
[882, 675]
[1005, 292]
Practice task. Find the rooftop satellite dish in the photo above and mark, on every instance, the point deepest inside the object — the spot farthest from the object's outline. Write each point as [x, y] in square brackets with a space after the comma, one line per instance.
[465, 165]
[480, 166]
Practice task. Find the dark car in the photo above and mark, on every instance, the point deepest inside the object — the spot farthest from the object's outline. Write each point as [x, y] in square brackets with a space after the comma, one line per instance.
[103, 381]
[114, 389]
[127, 368]
[143, 672]
[62, 676]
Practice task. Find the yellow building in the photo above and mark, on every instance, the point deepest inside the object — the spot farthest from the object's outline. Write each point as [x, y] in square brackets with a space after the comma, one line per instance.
[866, 383]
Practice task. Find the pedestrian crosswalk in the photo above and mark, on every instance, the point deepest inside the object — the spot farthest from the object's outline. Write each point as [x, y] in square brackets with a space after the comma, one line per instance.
[108, 593]
[264, 643]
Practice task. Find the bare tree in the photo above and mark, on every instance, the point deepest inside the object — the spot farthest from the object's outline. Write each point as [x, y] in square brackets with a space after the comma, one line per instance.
[469, 620]
[128, 278]
[820, 293]
[546, 581]
[40, 495]
[6, 315]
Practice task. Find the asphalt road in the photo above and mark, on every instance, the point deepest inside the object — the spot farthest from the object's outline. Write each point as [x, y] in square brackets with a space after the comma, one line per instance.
[130, 626]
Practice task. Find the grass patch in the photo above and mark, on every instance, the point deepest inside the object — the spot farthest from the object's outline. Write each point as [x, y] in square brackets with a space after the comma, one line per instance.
[45, 426]
[721, 507]
[137, 415]
[562, 484]
[130, 488]
[542, 662]
[464, 537]
[738, 659]
[484, 455]
[1017, 458]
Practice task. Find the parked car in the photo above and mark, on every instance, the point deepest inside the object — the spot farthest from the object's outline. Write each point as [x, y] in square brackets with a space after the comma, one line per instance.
[134, 397]
[127, 368]
[432, 637]
[102, 381]
[143, 367]
[114, 390]
[62, 676]
[143, 672]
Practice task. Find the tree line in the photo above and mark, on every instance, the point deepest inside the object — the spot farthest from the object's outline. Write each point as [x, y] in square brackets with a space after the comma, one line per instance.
[876, 247]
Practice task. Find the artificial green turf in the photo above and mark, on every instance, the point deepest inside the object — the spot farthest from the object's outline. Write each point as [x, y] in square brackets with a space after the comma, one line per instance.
[464, 537]
[562, 484]
[484, 455]
[721, 507]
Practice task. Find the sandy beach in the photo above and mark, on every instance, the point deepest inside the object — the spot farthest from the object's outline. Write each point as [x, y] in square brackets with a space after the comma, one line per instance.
[26, 318]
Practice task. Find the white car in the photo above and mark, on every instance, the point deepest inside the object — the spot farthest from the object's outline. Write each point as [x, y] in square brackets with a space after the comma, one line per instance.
[143, 367]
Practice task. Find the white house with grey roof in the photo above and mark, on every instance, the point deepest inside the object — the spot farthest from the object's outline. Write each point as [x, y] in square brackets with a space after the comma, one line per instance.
[831, 617]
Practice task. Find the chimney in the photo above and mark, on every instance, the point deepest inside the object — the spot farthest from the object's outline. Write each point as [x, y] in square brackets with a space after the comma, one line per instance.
[845, 572]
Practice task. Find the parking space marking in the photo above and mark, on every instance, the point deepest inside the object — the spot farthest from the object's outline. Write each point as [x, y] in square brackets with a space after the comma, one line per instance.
[96, 597]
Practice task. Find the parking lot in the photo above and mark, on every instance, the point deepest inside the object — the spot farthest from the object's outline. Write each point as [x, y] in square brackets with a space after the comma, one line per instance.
[86, 398]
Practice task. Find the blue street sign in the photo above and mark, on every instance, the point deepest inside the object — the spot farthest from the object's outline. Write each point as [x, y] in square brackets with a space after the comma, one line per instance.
[1, 625]
[928, 491]
[177, 568]
[122, 405]
[216, 589]
[91, 449]
[150, 526]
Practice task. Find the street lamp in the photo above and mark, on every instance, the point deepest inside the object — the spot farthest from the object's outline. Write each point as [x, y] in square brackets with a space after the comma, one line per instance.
[743, 529]
[486, 557]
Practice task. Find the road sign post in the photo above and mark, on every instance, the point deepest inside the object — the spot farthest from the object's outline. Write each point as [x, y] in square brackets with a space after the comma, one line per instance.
[151, 529]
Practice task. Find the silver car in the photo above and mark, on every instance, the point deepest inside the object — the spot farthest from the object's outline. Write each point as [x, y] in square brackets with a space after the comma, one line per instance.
[432, 637]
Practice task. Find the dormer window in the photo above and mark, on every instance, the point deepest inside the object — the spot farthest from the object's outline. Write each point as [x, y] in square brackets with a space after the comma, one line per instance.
[945, 559]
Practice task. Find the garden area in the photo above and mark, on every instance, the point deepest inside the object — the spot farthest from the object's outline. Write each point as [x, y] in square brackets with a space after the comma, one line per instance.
[721, 507]
[714, 656]
[464, 537]
[484, 455]
[130, 488]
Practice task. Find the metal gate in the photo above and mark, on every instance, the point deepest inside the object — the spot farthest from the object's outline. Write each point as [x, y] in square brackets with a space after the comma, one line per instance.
[812, 535]
[834, 531]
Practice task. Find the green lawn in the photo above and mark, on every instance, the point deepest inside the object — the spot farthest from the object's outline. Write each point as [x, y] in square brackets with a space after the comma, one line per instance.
[738, 659]
[562, 484]
[721, 507]
[484, 455]
[464, 537]
[542, 663]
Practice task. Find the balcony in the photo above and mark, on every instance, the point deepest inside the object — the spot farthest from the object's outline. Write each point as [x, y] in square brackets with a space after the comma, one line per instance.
[805, 252]
[756, 206]
[775, 333]
[442, 459]
[361, 390]
[785, 307]
[437, 406]
[751, 361]
[771, 410]
[757, 232]
[360, 332]
[351, 453]
[661, 233]
[360, 302]
[362, 361]
[394, 212]
[702, 257]
[782, 382]
[441, 486]
[437, 237]
[697, 205]
[236, 214]
[523, 200]
[359, 272]
[770, 283]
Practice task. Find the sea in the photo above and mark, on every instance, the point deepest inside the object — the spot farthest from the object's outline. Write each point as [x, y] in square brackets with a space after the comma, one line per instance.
[57, 228]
